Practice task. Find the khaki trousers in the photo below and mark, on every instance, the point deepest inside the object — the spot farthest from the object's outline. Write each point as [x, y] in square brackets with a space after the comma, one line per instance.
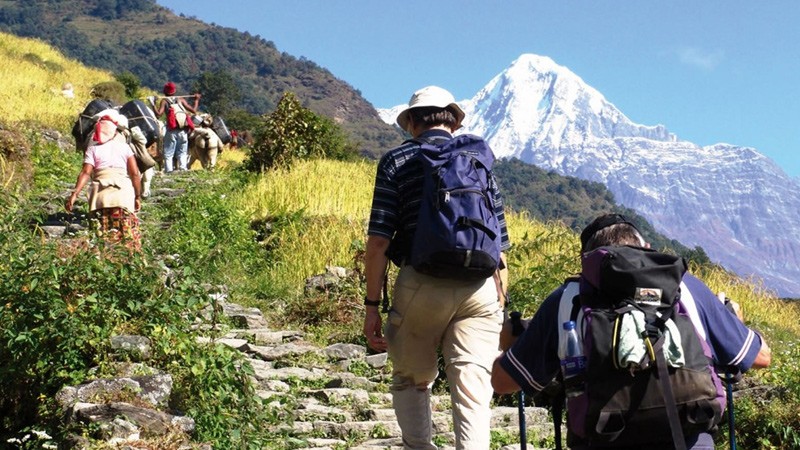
[464, 319]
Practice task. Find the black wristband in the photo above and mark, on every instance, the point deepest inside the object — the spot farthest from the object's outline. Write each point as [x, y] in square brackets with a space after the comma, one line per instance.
[368, 302]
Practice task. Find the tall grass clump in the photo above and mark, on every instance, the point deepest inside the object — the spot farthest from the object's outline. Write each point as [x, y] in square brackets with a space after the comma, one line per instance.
[771, 420]
[319, 187]
[542, 256]
[33, 74]
[313, 214]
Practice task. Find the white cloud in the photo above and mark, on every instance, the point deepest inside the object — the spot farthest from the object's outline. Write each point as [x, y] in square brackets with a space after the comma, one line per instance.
[696, 57]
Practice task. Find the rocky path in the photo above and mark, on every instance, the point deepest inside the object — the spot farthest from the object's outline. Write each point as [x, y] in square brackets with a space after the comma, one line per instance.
[349, 407]
[348, 410]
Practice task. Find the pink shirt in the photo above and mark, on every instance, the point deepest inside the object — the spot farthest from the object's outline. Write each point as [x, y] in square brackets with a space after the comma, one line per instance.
[114, 153]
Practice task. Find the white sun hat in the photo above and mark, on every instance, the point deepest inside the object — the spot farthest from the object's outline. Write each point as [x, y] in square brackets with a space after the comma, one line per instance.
[431, 96]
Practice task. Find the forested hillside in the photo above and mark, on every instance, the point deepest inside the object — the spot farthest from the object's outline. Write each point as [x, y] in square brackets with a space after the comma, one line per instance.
[549, 197]
[150, 42]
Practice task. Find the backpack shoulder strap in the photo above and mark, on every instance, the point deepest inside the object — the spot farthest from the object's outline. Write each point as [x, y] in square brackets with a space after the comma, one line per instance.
[435, 141]
[567, 304]
[669, 397]
[568, 309]
[175, 102]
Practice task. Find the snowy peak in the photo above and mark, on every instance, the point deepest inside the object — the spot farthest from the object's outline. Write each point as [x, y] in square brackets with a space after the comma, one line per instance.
[389, 115]
[537, 101]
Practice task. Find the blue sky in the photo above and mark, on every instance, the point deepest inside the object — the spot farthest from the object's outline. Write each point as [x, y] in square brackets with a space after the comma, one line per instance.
[710, 71]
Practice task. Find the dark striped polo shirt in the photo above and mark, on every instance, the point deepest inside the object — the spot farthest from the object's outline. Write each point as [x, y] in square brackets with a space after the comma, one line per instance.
[397, 195]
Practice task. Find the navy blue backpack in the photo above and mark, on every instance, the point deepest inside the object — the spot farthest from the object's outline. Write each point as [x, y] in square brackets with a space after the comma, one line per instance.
[458, 233]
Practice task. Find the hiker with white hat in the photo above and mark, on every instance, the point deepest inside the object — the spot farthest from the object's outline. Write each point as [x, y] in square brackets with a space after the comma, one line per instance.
[462, 317]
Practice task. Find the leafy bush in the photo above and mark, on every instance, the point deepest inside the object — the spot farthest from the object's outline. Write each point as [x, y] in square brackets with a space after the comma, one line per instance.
[292, 133]
[63, 300]
[62, 303]
[767, 424]
[213, 385]
[111, 90]
[15, 158]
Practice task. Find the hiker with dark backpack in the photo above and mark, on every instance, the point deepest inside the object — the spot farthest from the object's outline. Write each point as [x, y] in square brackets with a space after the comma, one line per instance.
[438, 215]
[653, 337]
[179, 120]
[111, 171]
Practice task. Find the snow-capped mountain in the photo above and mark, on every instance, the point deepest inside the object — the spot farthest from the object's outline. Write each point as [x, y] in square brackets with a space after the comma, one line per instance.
[731, 200]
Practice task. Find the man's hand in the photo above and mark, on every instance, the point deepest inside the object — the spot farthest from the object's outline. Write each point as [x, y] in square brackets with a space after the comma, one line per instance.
[512, 329]
[372, 329]
[732, 306]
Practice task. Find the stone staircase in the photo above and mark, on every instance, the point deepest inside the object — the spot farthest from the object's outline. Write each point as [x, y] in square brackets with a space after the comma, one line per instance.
[345, 409]
[349, 410]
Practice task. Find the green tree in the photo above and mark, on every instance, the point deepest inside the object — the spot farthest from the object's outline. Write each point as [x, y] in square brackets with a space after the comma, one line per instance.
[131, 83]
[220, 92]
[293, 132]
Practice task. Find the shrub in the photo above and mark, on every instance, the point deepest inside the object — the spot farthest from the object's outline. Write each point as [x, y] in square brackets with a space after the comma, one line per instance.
[61, 303]
[110, 90]
[293, 132]
[63, 300]
[15, 158]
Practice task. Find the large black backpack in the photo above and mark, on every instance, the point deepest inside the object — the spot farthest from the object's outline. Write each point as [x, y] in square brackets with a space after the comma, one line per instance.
[458, 233]
[82, 127]
[632, 394]
[139, 115]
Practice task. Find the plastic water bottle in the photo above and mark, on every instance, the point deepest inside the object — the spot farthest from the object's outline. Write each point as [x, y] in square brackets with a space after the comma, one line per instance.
[573, 361]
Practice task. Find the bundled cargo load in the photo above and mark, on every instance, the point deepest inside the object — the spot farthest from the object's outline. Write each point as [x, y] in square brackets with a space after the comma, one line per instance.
[218, 125]
[83, 126]
[139, 115]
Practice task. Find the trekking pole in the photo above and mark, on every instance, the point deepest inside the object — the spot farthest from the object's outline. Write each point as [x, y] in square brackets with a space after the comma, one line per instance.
[523, 435]
[729, 378]
[516, 329]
